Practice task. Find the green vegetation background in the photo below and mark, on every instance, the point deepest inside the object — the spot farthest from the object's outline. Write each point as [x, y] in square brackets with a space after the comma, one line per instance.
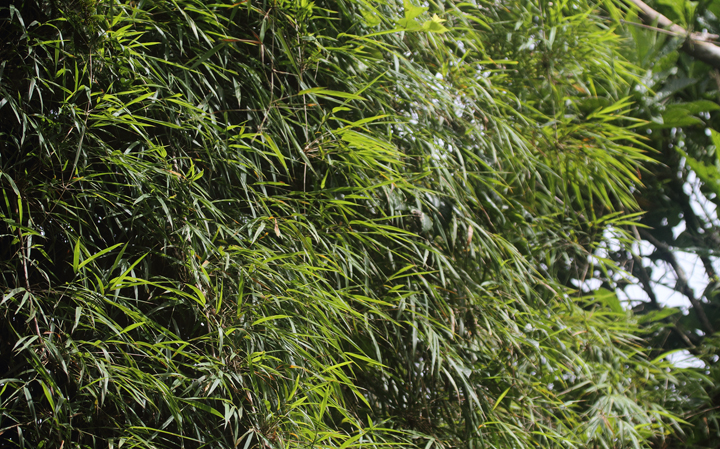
[330, 224]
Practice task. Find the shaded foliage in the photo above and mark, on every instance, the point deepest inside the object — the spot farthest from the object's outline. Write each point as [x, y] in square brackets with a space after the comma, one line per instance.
[676, 108]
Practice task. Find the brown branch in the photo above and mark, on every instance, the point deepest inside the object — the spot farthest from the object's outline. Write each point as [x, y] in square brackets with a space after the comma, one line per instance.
[642, 274]
[644, 279]
[693, 223]
[682, 281]
[682, 336]
[696, 44]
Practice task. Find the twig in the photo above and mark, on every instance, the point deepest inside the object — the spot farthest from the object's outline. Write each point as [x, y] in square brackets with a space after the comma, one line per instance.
[682, 281]
[648, 27]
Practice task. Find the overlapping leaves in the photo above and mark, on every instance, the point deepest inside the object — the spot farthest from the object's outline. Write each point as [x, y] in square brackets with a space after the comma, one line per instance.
[290, 224]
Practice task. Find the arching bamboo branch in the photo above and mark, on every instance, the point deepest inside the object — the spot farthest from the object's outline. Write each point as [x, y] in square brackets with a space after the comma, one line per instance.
[696, 44]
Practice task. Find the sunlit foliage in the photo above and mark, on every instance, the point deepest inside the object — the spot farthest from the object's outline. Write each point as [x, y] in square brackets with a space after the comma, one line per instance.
[329, 224]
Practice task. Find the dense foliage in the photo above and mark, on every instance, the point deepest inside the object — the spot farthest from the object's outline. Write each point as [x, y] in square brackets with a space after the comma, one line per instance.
[329, 224]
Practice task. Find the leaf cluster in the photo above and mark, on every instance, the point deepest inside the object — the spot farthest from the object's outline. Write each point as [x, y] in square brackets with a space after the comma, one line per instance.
[316, 224]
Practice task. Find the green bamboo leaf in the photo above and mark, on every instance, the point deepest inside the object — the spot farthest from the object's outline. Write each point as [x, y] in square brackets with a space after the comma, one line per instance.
[269, 318]
[199, 295]
[327, 93]
[116, 282]
[77, 267]
[500, 398]
[76, 256]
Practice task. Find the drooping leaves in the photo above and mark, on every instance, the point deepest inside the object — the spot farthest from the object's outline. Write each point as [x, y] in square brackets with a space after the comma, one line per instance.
[325, 224]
